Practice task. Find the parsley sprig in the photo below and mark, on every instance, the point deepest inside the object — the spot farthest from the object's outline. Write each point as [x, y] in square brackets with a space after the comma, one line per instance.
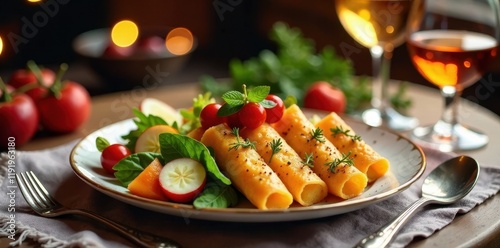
[340, 130]
[345, 159]
[308, 160]
[235, 100]
[275, 147]
[239, 143]
[317, 134]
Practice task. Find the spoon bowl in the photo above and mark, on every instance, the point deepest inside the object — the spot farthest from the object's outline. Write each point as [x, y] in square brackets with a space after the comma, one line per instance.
[446, 184]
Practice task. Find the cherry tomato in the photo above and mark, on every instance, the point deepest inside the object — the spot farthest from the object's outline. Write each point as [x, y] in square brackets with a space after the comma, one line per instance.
[112, 155]
[234, 121]
[208, 116]
[68, 111]
[252, 115]
[274, 114]
[19, 120]
[323, 96]
[22, 77]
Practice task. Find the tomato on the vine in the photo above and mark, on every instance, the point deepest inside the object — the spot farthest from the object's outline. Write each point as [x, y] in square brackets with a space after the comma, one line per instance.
[252, 115]
[209, 117]
[66, 111]
[111, 155]
[23, 78]
[19, 118]
[275, 113]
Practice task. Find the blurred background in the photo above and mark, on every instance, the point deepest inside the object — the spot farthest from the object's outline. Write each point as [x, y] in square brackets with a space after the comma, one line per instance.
[43, 31]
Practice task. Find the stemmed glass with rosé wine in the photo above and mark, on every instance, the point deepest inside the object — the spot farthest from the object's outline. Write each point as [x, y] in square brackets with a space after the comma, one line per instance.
[452, 43]
[380, 26]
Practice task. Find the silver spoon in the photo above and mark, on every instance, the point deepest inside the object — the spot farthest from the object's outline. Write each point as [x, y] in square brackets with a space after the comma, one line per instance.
[448, 183]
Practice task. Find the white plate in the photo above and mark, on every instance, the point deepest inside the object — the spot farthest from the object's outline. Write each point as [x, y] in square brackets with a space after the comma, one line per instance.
[406, 159]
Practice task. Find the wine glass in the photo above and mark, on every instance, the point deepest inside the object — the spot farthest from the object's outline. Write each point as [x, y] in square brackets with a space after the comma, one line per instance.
[452, 43]
[380, 26]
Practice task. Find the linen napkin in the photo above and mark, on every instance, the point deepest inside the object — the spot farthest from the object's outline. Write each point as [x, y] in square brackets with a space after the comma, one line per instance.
[345, 230]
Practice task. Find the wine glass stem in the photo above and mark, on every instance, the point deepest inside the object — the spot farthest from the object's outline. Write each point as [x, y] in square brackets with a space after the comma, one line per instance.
[381, 61]
[451, 99]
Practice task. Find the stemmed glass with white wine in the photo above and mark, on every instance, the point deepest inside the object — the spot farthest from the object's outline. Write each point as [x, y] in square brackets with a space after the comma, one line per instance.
[379, 25]
[452, 43]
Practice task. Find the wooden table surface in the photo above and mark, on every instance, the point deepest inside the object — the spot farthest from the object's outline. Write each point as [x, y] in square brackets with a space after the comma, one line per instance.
[479, 227]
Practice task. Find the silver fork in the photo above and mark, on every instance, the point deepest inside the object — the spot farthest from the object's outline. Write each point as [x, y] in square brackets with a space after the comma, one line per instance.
[45, 205]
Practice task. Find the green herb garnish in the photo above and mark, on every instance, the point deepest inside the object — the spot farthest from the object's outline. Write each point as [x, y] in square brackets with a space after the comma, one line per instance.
[339, 130]
[308, 160]
[275, 147]
[235, 100]
[317, 134]
[192, 117]
[239, 143]
[345, 159]
[216, 196]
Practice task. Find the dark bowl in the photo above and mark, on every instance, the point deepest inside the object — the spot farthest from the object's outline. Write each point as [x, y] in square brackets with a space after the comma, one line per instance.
[136, 69]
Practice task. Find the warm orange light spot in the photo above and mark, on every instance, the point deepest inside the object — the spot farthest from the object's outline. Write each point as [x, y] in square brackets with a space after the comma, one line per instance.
[179, 41]
[124, 33]
[1, 45]
[436, 72]
[467, 64]
[389, 29]
[34, 1]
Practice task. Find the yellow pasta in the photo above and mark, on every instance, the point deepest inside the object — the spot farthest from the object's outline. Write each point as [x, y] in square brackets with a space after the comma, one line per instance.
[247, 170]
[342, 180]
[365, 158]
[305, 186]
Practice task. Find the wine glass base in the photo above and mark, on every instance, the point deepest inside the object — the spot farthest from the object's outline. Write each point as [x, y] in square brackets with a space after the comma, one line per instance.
[388, 118]
[461, 138]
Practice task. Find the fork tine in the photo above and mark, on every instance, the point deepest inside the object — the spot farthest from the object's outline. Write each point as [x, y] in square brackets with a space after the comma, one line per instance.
[27, 191]
[40, 189]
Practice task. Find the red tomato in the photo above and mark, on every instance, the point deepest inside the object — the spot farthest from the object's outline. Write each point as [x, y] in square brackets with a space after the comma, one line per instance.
[22, 77]
[208, 116]
[323, 96]
[234, 121]
[68, 112]
[274, 114]
[252, 115]
[112, 155]
[19, 119]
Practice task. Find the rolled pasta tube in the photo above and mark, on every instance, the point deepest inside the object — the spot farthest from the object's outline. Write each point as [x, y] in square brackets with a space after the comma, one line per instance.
[342, 180]
[365, 158]
[247, 170]
[305, 186]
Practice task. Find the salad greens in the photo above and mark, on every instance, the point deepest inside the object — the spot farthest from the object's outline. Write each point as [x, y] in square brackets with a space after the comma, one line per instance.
[294, 67]
[175, 146]
[130, 167]
[142, 122]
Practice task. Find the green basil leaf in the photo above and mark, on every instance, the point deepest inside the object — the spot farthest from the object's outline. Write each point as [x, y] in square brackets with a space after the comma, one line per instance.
[130, 167]
[258, 93]
[227, 109]
[173, 146]
[233, 97]
[101, 143]
[267, 104]
[216, 196]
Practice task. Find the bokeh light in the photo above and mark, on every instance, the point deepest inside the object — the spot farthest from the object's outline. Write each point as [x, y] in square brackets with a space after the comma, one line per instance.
[1, 45]
[179, 41]
[124, 33]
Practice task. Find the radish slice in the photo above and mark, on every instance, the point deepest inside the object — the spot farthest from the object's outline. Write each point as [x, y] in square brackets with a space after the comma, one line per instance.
[183, 179]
